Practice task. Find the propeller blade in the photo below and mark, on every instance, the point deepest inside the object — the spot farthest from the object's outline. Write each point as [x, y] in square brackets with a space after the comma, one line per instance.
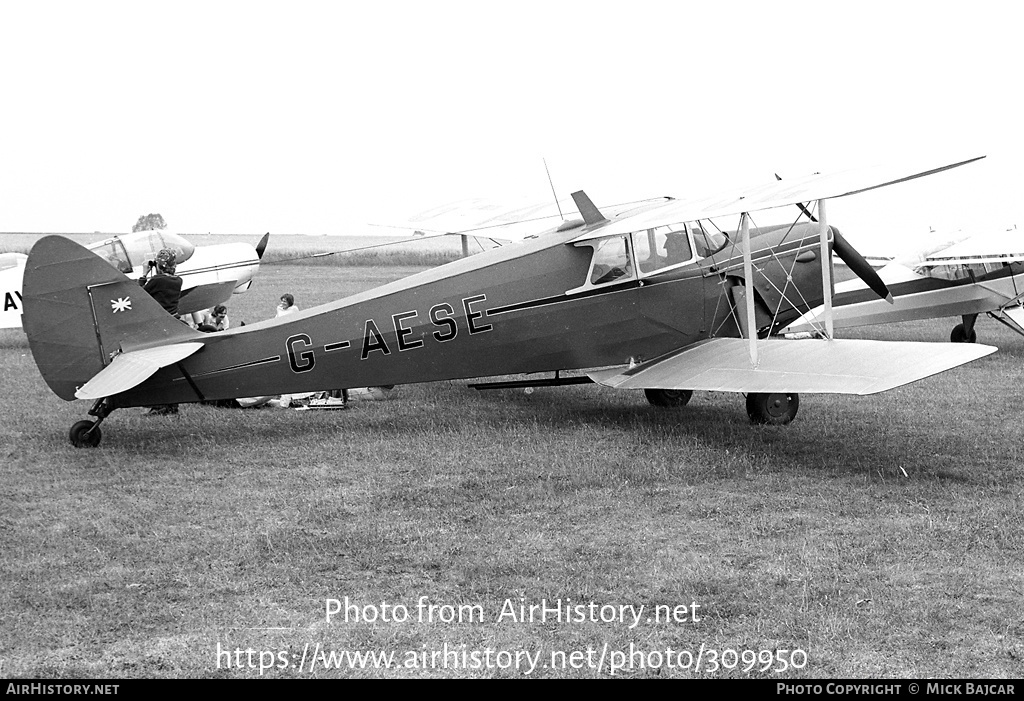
[262, 245]
[842, 248]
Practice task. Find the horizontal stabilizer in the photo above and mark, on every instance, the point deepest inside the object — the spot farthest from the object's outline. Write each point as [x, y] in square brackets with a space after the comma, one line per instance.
[816, 366]
[132, 369]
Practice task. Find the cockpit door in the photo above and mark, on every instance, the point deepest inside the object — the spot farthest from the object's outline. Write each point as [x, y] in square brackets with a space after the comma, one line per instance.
[671, 294]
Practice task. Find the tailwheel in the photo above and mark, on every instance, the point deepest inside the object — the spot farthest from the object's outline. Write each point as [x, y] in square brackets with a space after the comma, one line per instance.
[85, 434]
[960, 335]
[671, 398]
[772, 409]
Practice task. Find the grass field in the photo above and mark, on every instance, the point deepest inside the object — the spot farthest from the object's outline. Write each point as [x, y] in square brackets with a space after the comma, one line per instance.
[881, 536]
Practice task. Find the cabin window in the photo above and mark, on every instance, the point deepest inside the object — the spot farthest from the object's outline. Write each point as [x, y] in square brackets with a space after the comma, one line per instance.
[142, 246]
[149, 244]
[706, 240]
[963, 271]
[611, 262]
[113, 252]
[662, 247]
[668, 246]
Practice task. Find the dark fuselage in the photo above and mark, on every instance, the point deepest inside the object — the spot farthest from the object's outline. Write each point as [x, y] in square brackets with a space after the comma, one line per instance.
[502, 312]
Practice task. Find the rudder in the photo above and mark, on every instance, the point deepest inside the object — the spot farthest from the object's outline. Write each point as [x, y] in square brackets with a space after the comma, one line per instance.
[80, 312]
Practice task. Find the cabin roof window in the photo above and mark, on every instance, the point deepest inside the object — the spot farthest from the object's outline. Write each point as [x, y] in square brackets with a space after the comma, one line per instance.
[11, 260]
[112, 251]
[142, 246]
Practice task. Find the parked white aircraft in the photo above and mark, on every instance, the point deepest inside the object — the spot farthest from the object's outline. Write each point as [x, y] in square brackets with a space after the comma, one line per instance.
[981, 274]
[209, 274]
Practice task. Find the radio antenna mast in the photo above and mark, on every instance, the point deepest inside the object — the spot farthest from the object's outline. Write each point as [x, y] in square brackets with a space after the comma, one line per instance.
[553, 193]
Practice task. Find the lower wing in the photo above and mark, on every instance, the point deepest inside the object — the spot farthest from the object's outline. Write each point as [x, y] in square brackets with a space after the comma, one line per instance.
[844, 366]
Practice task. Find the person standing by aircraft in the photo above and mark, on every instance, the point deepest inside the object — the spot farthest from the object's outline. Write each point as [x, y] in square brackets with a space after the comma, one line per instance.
[165, 288]
[287, 305]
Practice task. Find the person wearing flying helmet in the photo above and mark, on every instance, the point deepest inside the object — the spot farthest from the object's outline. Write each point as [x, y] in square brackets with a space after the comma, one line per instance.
[164, 286]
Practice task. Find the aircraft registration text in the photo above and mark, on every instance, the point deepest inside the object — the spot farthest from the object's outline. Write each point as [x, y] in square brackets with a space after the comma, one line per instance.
[302, 354]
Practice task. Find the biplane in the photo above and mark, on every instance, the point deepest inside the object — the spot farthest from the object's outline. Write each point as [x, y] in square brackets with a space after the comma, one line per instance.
[655, 298]
[209, 274]
[983, 274]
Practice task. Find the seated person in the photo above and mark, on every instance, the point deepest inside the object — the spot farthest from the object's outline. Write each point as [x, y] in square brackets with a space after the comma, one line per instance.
[677, 248]
[213, 320]
[287, 305]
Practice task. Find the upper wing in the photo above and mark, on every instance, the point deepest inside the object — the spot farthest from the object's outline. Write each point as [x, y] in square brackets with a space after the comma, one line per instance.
[489, 219]
[833, 367]
[989, 247]
[775, 194]
[131, 369]
[973, 260]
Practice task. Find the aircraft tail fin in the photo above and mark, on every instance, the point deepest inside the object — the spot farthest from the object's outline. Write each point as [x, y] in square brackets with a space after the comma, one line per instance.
[591, 214]
[80, 313]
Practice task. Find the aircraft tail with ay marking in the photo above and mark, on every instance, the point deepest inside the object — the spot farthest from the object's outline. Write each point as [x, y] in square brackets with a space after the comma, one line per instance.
[80, 313]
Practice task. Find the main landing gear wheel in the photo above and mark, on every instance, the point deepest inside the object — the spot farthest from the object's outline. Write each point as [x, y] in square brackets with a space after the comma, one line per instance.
[772, 409]
[671, 398]
[85, 434]
[960, 335]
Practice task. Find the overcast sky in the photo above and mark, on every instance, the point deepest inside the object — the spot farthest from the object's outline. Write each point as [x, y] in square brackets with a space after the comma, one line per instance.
[321, 117]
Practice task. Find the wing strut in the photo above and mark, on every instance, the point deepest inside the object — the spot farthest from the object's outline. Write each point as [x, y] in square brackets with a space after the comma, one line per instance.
[748, 274]
[826, 269]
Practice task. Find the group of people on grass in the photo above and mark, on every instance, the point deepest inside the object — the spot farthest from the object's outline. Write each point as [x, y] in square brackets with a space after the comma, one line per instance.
[164, 286]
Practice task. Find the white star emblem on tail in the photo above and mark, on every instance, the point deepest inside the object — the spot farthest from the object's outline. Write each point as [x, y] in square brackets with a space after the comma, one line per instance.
[121, 304]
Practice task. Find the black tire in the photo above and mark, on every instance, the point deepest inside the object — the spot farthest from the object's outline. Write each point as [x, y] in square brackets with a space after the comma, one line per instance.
[82, 437]
[959, 335]
[670, 398]
[772, 409]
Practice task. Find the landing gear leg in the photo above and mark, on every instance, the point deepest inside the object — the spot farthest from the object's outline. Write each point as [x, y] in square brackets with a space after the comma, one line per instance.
[772, 409]
[85, 433]
[965, 333]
